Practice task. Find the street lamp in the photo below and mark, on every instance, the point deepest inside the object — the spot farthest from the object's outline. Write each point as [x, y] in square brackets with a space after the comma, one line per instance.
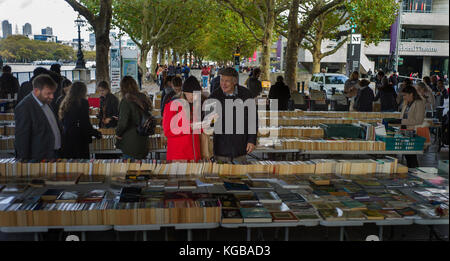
[80, 61]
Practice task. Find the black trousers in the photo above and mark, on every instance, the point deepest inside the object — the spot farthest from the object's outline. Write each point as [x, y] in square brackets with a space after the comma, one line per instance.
[411, 161]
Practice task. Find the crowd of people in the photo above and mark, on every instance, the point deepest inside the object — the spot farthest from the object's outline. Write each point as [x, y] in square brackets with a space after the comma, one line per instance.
[52, 113]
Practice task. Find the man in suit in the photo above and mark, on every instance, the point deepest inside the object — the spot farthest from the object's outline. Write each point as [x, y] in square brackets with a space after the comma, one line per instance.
[38, 131]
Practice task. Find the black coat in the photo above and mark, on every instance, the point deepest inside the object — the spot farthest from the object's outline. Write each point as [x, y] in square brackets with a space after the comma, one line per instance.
[109, 107]
[215, 83]
[77, 132]
[24, 90]
[34, 139]
[233, 145]
[388, 99]
[281, 92]
[255, 86]
[364, 100]
[8, 85]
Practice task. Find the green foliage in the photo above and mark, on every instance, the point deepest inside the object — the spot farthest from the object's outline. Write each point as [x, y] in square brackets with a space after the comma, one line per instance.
[373, 17]
[20, 48]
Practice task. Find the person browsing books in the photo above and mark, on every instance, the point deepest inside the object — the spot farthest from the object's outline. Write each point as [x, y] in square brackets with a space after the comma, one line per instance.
[131, 108]
[182, 143]
[109, 106]
[38, 130]
[234, 146]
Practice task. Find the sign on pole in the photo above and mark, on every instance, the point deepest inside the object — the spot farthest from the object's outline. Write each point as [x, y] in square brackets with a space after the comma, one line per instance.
[114, 68]
[353, 53]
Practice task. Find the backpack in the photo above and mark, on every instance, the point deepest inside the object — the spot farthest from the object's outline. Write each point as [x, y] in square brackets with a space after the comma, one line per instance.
[147, 125]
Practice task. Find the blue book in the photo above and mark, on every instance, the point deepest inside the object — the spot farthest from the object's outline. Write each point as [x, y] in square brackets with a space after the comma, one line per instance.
[236, 187]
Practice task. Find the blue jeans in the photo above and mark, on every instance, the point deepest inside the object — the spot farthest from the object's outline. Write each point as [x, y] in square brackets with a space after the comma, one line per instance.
[205, 81]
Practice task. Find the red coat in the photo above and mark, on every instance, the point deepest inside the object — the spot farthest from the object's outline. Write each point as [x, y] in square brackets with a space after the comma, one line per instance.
[180, 146]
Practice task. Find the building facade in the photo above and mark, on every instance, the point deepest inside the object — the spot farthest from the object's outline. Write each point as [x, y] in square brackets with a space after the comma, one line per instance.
[47, 31]
[26, 29]
[6, 28]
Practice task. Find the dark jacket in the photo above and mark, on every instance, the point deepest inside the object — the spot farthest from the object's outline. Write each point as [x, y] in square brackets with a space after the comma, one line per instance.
[281, 92]
[255, 86]
[171, 70]
[364, 100]
[234, 145]
[388, 99]
[168, 94]
[58, 103]
[131, 143]
[215, 83]
[34, 139]
[24, 90]
[77, 132]
[109, 107]
[8, 85]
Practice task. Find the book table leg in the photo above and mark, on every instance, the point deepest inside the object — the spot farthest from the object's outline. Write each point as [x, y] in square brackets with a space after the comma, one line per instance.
[166, 235]
[341, 234]
[286, 234]
[189, 235]
[144, 235]
[380, 233]
[208, 234]
[83, 235]
[36, 236]
[249, 234]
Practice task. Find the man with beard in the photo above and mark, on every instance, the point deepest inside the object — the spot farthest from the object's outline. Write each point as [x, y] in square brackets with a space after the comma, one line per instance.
[38, 131]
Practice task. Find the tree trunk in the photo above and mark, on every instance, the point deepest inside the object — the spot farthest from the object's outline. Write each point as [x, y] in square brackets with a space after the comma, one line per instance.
[143, 59]
[163, 60]
[175, 60]
[169, 57]
[267, 42]
[292, 47]
[316, 63]
[190, 59]
[154, 61]
[102, 57]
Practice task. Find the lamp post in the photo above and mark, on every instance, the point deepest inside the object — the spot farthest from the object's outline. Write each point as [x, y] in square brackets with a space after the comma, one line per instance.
[80, 61]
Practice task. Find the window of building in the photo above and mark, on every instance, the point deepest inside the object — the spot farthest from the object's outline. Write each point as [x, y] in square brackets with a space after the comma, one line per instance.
[417, 34]
[420, 6]
[335, 79]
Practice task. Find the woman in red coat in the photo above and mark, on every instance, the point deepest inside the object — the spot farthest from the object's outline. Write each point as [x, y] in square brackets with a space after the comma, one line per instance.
[182, 143]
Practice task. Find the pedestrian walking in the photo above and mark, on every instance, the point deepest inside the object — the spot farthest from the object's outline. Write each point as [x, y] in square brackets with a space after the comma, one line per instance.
[387, 96]
[281, 93]
[205, 75]
[66, 84]
[9, 85]
[364, 98]
[254, 84]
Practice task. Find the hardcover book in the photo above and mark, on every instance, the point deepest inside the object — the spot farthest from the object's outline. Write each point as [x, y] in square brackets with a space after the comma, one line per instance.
[256, 215]
[373, 215]
[246, 197]
[93, 195]
[332, 214]
[187, 184]
[268, 197]
[231, 216]
[390, 214]
[63, 179]
[407, 212]
[14, 188]
[291, 197]
[354, 215]
[285, 216]
[51, 194]
[236, 187]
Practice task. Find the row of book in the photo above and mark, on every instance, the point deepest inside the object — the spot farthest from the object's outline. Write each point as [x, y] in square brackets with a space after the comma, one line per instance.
[244, 199]
[7, 116]
[312, 121]
[308, 145]
[13, 167]
[330, 114]
[291, 131]
[7, 130]
[6, 142]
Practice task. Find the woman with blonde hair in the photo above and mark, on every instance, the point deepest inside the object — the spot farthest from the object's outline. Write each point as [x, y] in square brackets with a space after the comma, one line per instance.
[77, 128]
[133, 106]
[351, 87]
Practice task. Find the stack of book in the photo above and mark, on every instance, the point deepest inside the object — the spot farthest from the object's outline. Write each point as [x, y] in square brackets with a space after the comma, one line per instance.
[6, 116]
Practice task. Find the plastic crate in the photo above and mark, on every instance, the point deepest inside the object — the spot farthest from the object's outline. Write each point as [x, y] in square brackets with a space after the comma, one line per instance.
[342, 130]
[402, 143]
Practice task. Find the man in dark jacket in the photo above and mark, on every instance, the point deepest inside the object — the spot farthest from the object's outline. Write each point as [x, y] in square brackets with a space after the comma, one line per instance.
[280, 92]
[9, 85]
[38, 131]
[253, 84]
[27, 86]
[234, 146]
[215, 83]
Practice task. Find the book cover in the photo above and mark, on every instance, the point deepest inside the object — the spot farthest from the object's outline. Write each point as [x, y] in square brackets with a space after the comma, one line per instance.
[93, 195]
[306, 214]
[353, 205]
[291, 197]
[37, 183]
[236, 187]
[407, 212]
[354, 215]
[231, 216]
[51, 194]
[334, 214]
[187, 184]
[390, 214]
[259, 185]
[67, 196]
[14, 188]
[276, 207]
[373, 215]
[268, 197]
[254, 215]
[285, 216]
[246, 197]
[228, 201]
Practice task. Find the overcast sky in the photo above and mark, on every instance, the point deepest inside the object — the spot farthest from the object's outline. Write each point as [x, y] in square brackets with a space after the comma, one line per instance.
[42, 13]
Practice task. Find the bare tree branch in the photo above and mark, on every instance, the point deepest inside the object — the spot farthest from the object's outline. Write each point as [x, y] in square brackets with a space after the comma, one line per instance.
[83, 11]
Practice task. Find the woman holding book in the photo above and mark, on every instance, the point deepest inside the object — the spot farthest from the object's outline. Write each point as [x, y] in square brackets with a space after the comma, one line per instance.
[133, 106]
[182, 143]
[109, 107]
[77, 128]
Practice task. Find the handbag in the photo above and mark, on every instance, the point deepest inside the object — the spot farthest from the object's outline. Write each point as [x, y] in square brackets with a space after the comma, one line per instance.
[147, 125]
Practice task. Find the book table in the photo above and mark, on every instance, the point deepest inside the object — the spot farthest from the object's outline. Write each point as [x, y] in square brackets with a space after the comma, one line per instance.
[37, 230]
